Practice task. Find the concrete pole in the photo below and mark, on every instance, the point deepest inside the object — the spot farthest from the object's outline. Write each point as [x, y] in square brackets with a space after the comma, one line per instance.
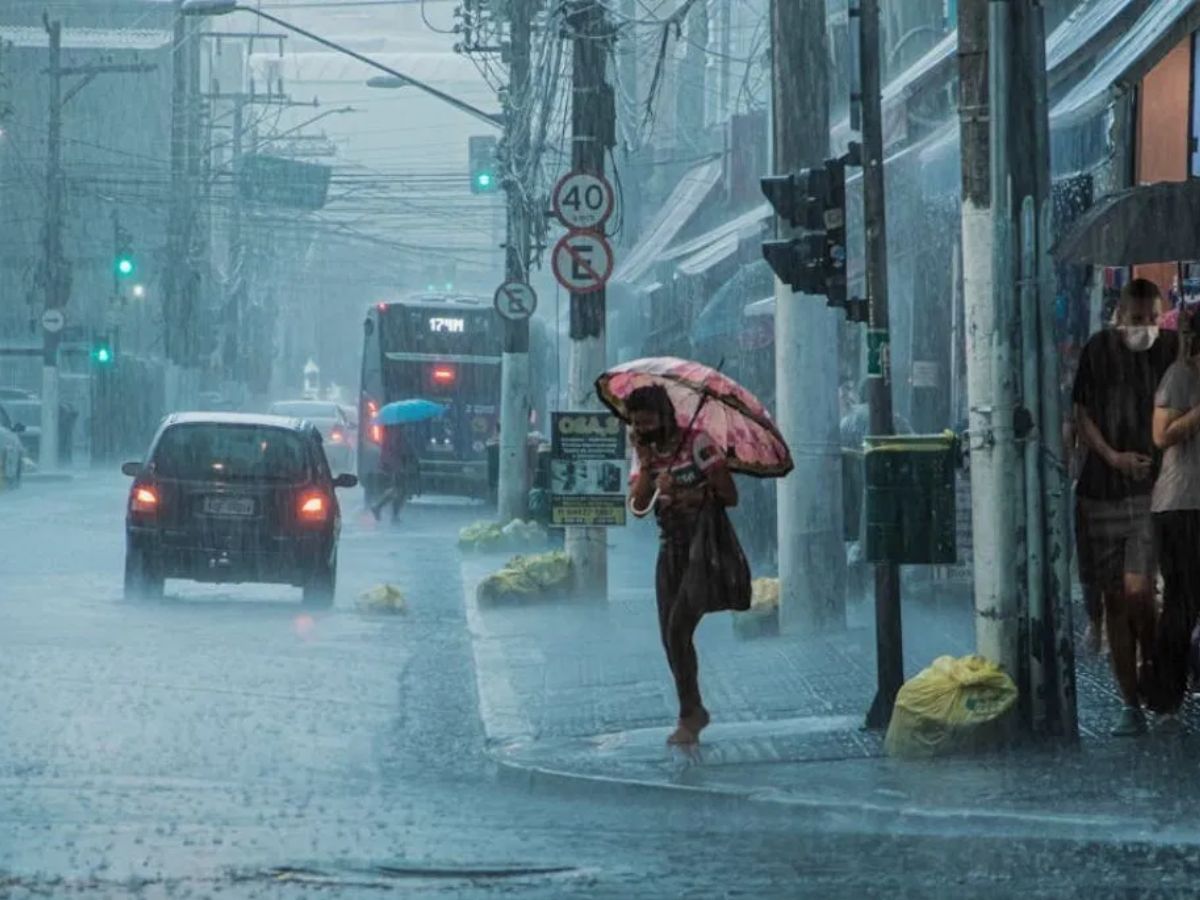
[512, 493]
[55, 275]
[1007, 521]
[974, 102]
[591, 124]
[812, 562]
[889, 641]
[174, 322]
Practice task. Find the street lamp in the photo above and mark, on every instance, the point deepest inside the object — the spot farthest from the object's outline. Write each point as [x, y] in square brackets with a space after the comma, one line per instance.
[387, 81]
[222, 7]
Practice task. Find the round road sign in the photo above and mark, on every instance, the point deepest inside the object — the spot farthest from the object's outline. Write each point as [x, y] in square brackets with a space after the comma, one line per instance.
[515, 301]
[583, 200]
[53, 320]
[582, 261]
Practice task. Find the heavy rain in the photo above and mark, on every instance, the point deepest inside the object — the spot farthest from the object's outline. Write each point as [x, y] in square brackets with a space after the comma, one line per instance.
[599, 448]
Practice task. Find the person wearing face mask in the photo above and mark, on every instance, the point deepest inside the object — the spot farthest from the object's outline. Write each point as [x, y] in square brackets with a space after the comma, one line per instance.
[1113, 395]
[1176, 506]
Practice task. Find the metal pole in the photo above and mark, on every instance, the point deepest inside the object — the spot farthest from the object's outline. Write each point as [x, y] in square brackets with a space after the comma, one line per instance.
[173, 282]
[236, 287]
[889, 643]
[512, 493]
[591, 122]
[1003, 644]
[812, 553]
[55, 276]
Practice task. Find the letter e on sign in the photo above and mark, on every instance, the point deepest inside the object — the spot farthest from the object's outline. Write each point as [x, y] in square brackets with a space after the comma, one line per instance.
[582, 261]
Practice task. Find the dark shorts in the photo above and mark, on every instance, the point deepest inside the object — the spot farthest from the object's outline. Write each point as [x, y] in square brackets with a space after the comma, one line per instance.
[1114, 538]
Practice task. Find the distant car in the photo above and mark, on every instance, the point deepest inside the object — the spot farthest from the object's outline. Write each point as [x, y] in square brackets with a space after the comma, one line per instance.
[232, 497]
[337, 429]
[12, 393]
[12, 451]
[27, 412]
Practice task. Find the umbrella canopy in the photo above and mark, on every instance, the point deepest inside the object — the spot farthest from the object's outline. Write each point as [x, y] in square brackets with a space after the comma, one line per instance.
[1147, 224]
[405, 412]
[732, 416]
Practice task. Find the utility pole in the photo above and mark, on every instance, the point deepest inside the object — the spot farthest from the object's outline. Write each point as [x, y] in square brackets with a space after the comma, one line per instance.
[889, 640]
[56, 279]
[812, 561]
[512, 493]
[231, 344]
[178, 323]
[1023, 289]
[995, 613]
[593, 125]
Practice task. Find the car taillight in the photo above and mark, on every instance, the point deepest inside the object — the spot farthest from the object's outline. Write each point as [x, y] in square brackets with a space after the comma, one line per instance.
[374, 432]
[337, 436]
[144, 500]
[313, 508]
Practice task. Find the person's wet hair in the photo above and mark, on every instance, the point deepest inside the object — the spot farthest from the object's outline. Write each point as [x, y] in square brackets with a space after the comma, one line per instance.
[651, 398]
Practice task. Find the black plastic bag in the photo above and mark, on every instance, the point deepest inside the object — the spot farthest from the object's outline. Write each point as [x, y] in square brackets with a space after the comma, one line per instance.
[717, 577]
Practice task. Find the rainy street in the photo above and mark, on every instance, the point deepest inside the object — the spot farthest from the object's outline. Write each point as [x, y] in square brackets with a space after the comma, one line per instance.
[223, 742]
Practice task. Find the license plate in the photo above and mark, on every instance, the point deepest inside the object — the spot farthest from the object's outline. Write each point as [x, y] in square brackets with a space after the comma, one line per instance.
[229, 506]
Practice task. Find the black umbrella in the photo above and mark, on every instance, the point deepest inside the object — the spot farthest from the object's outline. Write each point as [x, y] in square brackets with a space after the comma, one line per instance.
[1151, 223]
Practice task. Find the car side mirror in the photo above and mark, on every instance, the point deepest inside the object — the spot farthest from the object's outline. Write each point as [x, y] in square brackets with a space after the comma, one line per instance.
[18, 428]
[132, 469]
[345, 481]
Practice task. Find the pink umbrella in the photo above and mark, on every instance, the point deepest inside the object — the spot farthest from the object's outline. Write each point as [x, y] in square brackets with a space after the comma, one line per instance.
[711, 402]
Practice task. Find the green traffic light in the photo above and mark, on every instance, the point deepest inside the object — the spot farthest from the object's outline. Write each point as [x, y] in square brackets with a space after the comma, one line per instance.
[103, 355]
[125, 265]
[449, 286]
[483, 179]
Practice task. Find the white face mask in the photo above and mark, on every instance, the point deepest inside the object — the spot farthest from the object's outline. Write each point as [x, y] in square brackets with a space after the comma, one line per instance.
[1138, 337]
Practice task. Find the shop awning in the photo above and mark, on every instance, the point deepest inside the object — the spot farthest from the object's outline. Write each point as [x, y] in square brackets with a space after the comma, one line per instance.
[693, 189]
[720, 244]
[1160, 28]
[723, 314]
[1085, 23]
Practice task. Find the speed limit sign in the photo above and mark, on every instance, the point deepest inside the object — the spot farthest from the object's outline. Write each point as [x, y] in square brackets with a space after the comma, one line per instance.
[583, 201]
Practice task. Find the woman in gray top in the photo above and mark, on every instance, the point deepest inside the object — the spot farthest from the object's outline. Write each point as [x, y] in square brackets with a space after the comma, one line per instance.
[1175, 504]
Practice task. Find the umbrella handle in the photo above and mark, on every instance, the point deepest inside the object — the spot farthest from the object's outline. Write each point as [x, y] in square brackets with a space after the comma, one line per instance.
[642, 513]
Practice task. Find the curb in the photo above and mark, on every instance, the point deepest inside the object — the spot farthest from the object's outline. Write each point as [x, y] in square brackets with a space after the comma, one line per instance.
[504, 722]
[47, 478]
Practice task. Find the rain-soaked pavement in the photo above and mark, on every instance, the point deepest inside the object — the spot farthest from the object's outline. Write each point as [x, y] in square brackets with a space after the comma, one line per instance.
[223, 742]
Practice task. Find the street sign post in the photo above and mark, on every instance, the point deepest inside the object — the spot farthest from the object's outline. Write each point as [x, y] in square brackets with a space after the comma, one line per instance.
[53, 321]
[583, 201]
[587, 470]
[582, 261]
[515, 301]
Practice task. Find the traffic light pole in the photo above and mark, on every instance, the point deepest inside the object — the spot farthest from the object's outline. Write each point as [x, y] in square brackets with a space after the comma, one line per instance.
[592, 115]
[512, 491]
[889, 642]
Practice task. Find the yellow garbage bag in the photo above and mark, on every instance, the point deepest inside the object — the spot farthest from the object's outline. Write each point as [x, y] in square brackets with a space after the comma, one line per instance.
[953, 706]
[384, 598]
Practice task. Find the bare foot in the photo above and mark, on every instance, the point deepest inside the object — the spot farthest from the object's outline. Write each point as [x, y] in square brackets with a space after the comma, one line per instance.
[688, 730]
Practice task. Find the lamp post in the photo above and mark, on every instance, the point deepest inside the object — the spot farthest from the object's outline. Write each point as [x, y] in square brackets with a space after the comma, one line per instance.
[224, 7]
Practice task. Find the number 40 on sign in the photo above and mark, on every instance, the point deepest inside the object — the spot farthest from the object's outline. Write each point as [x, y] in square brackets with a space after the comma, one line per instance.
[583, 201]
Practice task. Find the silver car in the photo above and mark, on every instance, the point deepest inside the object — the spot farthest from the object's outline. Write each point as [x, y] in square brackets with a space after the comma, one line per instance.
[338, 432]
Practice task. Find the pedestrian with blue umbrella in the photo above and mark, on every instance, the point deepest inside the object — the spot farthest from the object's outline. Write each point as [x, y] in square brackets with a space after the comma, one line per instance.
[399, 464]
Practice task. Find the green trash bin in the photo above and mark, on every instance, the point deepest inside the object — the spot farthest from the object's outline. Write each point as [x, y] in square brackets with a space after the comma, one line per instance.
[910, 506]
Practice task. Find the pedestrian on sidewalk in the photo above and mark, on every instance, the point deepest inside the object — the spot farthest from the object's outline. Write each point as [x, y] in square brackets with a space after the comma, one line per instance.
[1175, 503]
[676, 471]
[1119, 371]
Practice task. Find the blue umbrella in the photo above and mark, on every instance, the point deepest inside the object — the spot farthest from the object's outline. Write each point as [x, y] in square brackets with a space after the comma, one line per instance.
[404, 412]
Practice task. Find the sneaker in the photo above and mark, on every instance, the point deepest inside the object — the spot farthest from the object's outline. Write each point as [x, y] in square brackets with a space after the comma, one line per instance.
[1093, 640]
[1169, 723]
[1131, 723]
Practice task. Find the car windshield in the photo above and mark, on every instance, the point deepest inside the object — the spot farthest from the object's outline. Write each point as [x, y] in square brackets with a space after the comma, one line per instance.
[305, 409]
[28, 412]
[221, 452]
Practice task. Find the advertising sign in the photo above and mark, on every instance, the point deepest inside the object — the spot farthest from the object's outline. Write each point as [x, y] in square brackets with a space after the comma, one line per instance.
[587, 469]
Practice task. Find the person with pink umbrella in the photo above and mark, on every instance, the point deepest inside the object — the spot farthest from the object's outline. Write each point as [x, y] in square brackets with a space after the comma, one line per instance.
[691, 428]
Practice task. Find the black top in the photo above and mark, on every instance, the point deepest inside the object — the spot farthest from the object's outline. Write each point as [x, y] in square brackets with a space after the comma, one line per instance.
[1116, 386]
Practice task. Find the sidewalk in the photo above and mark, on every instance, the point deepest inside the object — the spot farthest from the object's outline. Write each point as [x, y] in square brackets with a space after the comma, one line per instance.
[577, 692]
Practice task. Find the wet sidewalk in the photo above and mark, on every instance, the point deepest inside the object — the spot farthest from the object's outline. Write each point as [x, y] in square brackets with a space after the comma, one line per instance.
[579, 692]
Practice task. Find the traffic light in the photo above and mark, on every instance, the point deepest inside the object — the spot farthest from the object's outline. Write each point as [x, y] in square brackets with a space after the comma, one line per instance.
[102, 351]
[813, 201]
[485, 176]
[124, 263]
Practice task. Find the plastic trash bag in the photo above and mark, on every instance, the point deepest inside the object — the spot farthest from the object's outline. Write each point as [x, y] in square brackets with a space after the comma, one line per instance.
[953, 706]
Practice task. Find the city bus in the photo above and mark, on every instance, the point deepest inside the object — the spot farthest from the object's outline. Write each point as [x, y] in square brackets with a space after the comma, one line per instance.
[441, 347]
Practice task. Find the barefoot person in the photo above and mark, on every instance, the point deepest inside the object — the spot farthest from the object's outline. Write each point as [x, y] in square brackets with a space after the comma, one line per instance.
[1119, 371]
[675, 472]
